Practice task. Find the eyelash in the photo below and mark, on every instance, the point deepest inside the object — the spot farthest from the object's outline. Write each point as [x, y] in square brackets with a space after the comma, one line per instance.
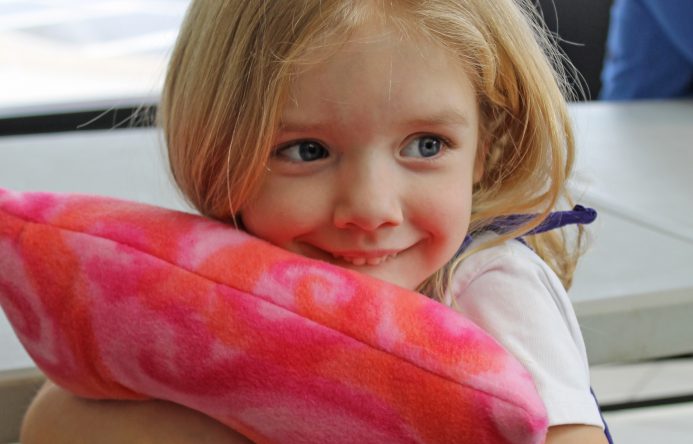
[446, 142]
[283, 146]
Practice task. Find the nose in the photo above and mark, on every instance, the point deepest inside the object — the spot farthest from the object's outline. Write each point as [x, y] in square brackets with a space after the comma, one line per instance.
[368, 199]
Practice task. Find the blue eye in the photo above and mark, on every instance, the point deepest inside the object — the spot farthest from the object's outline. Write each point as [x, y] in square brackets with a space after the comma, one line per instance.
[425, 146]
[303, 152]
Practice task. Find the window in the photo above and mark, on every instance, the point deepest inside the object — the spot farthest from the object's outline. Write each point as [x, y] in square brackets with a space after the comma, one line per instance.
[64, 54]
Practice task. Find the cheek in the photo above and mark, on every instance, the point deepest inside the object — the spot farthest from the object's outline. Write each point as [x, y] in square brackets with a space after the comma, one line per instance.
[449, 193]
[445, 215]
[281, 211]
[450, 216]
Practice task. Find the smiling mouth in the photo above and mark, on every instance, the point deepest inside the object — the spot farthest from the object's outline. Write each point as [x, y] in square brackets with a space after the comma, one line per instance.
[368, 259]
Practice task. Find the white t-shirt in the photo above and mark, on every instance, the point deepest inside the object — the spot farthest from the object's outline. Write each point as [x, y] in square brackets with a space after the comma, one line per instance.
[512, 293]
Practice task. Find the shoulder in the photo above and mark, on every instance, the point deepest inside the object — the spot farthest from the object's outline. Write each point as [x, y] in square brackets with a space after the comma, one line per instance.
[511, 281]
[508, 264]
[502, 279]
[514, 295]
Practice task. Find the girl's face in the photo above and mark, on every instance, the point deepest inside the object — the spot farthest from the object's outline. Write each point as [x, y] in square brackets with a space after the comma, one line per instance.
[374, 161]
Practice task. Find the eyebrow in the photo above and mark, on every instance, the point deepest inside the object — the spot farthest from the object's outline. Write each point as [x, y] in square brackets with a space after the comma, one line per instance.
[446, 117]
[442, 118]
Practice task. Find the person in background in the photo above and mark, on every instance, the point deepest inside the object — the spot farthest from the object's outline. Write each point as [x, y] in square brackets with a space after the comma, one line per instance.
[649, 50]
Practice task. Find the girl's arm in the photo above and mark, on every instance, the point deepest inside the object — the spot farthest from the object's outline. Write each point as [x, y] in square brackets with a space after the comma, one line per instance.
[57, 416]
[575, 434]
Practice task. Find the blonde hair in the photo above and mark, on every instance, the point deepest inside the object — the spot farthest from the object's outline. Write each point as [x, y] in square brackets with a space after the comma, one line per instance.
[232, 66]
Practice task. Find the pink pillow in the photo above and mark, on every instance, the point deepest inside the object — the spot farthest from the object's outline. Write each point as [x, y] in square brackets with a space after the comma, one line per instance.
[120, 300]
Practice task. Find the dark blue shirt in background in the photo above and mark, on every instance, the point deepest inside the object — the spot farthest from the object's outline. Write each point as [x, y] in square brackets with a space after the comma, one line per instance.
[649, 50]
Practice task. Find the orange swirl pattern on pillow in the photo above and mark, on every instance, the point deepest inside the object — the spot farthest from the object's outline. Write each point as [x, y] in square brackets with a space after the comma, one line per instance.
[120, 300]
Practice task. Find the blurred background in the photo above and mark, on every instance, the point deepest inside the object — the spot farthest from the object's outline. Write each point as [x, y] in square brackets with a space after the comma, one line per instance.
[79, 50]
[76, 56]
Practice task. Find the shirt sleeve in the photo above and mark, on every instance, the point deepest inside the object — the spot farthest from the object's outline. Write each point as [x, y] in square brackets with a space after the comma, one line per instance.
[516, 297]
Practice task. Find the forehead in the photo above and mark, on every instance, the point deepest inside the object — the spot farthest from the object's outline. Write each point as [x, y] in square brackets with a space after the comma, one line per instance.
[379, 69]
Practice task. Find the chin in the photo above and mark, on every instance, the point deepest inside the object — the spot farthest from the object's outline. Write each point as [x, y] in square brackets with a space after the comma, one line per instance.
[387, 276]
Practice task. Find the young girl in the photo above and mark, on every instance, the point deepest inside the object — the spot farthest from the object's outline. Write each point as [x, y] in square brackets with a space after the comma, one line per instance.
[397, 139]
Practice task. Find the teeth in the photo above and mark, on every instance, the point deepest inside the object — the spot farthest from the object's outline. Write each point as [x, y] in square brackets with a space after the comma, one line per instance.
[359, 261]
